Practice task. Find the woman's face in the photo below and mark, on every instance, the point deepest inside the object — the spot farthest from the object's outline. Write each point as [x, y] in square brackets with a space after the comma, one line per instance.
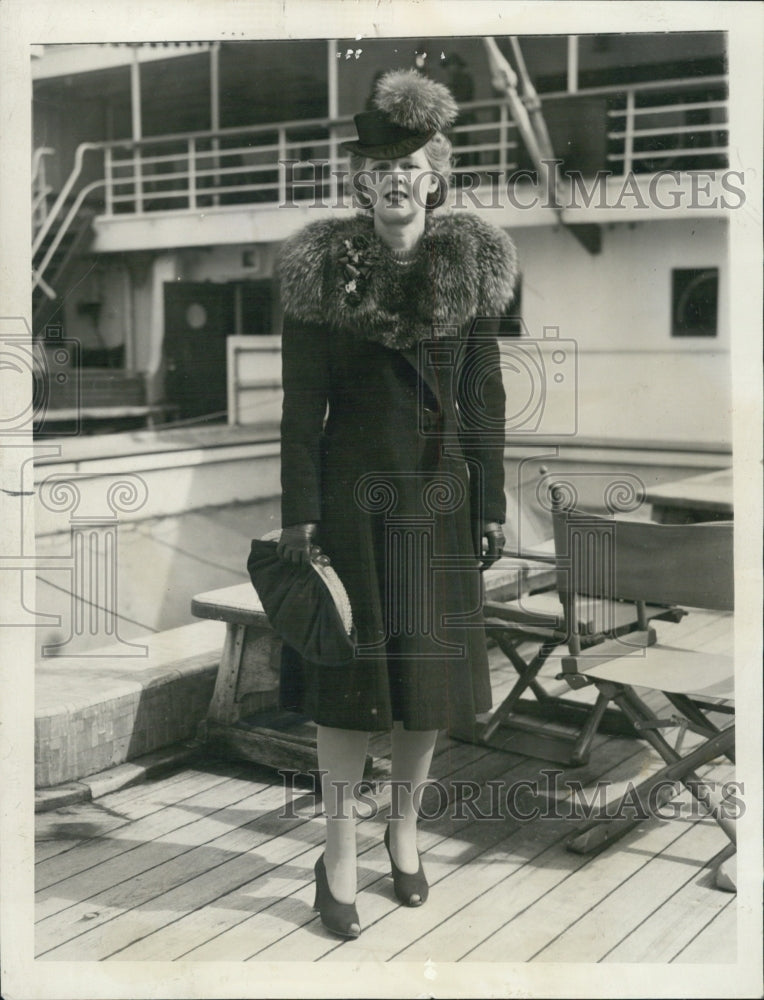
[399, 188]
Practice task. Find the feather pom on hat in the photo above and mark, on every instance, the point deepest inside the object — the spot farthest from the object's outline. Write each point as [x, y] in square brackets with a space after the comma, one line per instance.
[408, 110]
[415, 102]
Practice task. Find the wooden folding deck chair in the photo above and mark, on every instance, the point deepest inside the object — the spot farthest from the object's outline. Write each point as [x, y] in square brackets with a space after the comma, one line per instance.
[687, 565]
[528, 626]
[537, 617]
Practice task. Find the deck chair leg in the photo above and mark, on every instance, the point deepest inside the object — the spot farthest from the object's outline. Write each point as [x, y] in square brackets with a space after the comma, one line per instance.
[725, 877]
[504, 709]
[680, 766]
[713, 806]
[609, 824]
[687, 707]
[527, 679]
[529, 671]
[638, 712]
[603, 830]
[580, 753]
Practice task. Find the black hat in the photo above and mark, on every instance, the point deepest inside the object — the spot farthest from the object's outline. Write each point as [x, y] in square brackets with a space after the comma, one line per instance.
[306, 604]
[380, 138]
[409, 110]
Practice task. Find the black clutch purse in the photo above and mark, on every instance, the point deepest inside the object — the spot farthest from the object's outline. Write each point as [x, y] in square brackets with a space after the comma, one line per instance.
[306, 605]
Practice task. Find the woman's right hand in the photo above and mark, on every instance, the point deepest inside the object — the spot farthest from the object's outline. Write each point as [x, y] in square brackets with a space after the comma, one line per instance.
[296, 545]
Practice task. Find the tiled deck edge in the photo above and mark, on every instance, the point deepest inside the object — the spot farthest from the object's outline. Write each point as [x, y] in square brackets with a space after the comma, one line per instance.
[115, 778]
[100, 712]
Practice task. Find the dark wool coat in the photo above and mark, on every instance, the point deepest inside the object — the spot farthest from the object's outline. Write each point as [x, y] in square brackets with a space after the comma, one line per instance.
[392, 439]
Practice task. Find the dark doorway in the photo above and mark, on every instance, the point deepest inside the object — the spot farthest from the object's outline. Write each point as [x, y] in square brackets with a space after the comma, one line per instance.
[256, 305]
[198, 318]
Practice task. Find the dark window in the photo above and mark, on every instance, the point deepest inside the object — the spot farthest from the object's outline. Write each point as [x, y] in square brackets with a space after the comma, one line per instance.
[694, 301]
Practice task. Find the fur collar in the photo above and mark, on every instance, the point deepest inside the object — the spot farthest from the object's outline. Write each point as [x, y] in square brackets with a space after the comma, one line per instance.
[339, 273]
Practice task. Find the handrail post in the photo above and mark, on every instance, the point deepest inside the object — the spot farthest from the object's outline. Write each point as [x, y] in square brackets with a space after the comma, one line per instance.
[628, 142]
[333, 167]
[39, 191]
[215, 147]
[138, 179]
[108, 176]
[282, 192]
[191, 173]
[503, 132]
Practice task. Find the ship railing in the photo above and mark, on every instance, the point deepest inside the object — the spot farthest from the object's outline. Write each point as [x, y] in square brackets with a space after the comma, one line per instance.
[643, 128]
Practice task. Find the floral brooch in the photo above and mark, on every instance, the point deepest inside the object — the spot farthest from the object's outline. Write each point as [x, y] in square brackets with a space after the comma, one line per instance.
[355, 272]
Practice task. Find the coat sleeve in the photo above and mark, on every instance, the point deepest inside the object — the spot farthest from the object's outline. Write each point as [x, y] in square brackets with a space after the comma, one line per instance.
[481, 400]
[305, 377]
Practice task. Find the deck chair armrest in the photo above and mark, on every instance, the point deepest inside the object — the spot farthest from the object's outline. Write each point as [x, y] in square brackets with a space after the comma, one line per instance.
[513, 613]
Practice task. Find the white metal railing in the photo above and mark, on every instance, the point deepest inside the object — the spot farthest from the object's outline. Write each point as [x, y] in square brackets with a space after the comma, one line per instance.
[40, 188]
[651, 132]
[649, 126]
[38, 270]
[279, 163]
[253, 379]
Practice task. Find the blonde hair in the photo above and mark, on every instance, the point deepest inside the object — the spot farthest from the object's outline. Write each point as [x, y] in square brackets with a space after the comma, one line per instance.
[439, 153]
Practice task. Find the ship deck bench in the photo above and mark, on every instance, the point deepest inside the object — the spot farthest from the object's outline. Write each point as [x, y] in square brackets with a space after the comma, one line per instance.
[250, 663]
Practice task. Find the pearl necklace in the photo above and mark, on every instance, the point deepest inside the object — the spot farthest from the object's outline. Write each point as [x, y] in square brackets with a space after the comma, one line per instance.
[403, 257]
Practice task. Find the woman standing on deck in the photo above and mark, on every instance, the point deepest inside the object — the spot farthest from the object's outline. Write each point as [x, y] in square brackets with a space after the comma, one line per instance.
[392, 464]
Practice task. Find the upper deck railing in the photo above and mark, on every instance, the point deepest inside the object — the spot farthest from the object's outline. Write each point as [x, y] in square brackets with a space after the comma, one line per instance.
[679, 124]
[40, 188]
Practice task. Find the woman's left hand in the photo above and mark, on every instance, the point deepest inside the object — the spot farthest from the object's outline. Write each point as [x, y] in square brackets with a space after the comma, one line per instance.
[494, 541]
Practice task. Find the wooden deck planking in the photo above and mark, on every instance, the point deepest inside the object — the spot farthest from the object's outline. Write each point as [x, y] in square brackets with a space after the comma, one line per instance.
[663, 933]
[61, 830]
[77, 869]
[459, 842]
[532, 902]
[634, 895]
[290, 911]
[162, 866]
[144, 802]
[260, 933]
[199, 866]
[112, 881]
[187, 883]
[492, 898]
[134, 923]
[706, 947]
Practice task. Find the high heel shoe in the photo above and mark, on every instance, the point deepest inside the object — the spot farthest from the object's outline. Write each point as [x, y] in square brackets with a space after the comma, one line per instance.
[340, 918]
[411, 888]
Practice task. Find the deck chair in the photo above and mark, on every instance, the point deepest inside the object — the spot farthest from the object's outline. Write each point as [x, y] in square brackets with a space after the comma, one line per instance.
[537, 617]
[627, 561]
[528, 627]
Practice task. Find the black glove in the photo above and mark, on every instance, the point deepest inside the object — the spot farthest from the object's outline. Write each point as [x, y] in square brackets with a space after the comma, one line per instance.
[296, 545]
[495, 541]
